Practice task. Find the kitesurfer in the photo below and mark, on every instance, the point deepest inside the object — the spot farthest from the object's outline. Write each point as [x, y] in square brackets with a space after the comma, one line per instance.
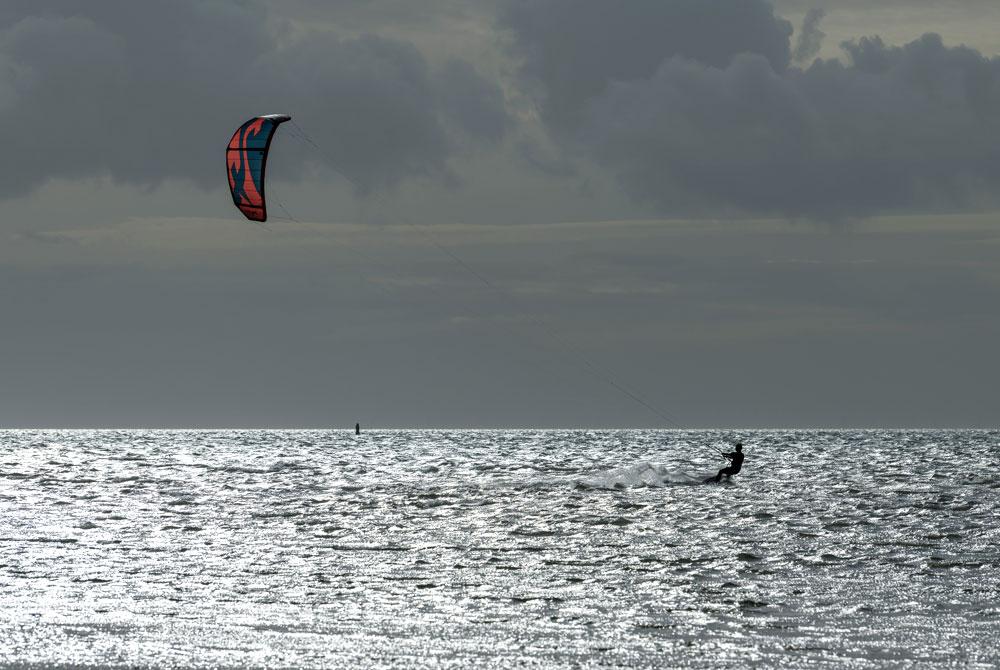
[736, 463]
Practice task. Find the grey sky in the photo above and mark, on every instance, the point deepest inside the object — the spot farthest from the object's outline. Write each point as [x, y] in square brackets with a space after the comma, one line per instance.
[740, 236]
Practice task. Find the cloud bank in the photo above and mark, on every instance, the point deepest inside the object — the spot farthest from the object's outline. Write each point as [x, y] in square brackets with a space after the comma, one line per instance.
[694, 119]
[693, 107]
[145, 92]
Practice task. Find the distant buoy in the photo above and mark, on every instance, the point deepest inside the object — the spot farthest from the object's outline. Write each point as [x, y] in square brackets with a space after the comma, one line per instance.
[357, 429]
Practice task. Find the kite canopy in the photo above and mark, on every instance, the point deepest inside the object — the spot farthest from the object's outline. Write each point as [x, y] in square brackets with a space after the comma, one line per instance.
[246, 157]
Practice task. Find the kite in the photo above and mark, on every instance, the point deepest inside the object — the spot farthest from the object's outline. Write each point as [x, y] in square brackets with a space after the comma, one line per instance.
[246, 158]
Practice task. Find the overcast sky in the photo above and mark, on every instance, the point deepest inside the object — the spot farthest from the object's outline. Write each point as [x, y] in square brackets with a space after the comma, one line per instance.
[745, 212]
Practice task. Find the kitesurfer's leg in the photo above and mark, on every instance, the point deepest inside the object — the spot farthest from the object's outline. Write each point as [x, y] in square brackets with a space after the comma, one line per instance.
[727, 471]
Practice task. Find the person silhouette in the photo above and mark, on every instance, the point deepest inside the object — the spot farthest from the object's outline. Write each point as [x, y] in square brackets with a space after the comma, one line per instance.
[736, 463]
[357, 429]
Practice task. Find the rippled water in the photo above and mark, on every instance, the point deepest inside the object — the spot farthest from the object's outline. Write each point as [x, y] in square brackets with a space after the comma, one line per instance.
[498, 549]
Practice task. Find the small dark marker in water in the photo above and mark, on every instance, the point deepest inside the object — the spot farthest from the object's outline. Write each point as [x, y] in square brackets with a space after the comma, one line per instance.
[357, 429]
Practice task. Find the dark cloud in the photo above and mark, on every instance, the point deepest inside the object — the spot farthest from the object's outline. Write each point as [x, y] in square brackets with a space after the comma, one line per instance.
[697, 121]
[574, 49]
[149, 91]
[810, 38]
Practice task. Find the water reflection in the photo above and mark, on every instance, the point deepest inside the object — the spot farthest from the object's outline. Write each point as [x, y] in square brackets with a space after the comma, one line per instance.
[494, 549]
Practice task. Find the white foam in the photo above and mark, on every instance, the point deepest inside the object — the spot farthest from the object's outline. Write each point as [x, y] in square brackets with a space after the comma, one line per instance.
[639, 474]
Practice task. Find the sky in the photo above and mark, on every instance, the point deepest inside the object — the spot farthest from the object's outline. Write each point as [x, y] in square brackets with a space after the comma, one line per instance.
[502, 213]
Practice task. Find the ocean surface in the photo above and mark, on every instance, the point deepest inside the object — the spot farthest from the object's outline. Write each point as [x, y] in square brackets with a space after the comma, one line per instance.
[498, 549]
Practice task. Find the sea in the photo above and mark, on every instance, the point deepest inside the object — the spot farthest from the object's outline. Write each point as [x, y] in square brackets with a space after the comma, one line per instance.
[498, 549]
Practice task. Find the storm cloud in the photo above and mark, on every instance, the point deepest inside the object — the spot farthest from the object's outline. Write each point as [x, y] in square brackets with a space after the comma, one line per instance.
[697, 126]
[572, 50]
[145, 92]
[688, 107]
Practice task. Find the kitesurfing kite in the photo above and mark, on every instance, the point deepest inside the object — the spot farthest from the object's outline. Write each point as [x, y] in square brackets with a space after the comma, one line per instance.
[246, 158]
